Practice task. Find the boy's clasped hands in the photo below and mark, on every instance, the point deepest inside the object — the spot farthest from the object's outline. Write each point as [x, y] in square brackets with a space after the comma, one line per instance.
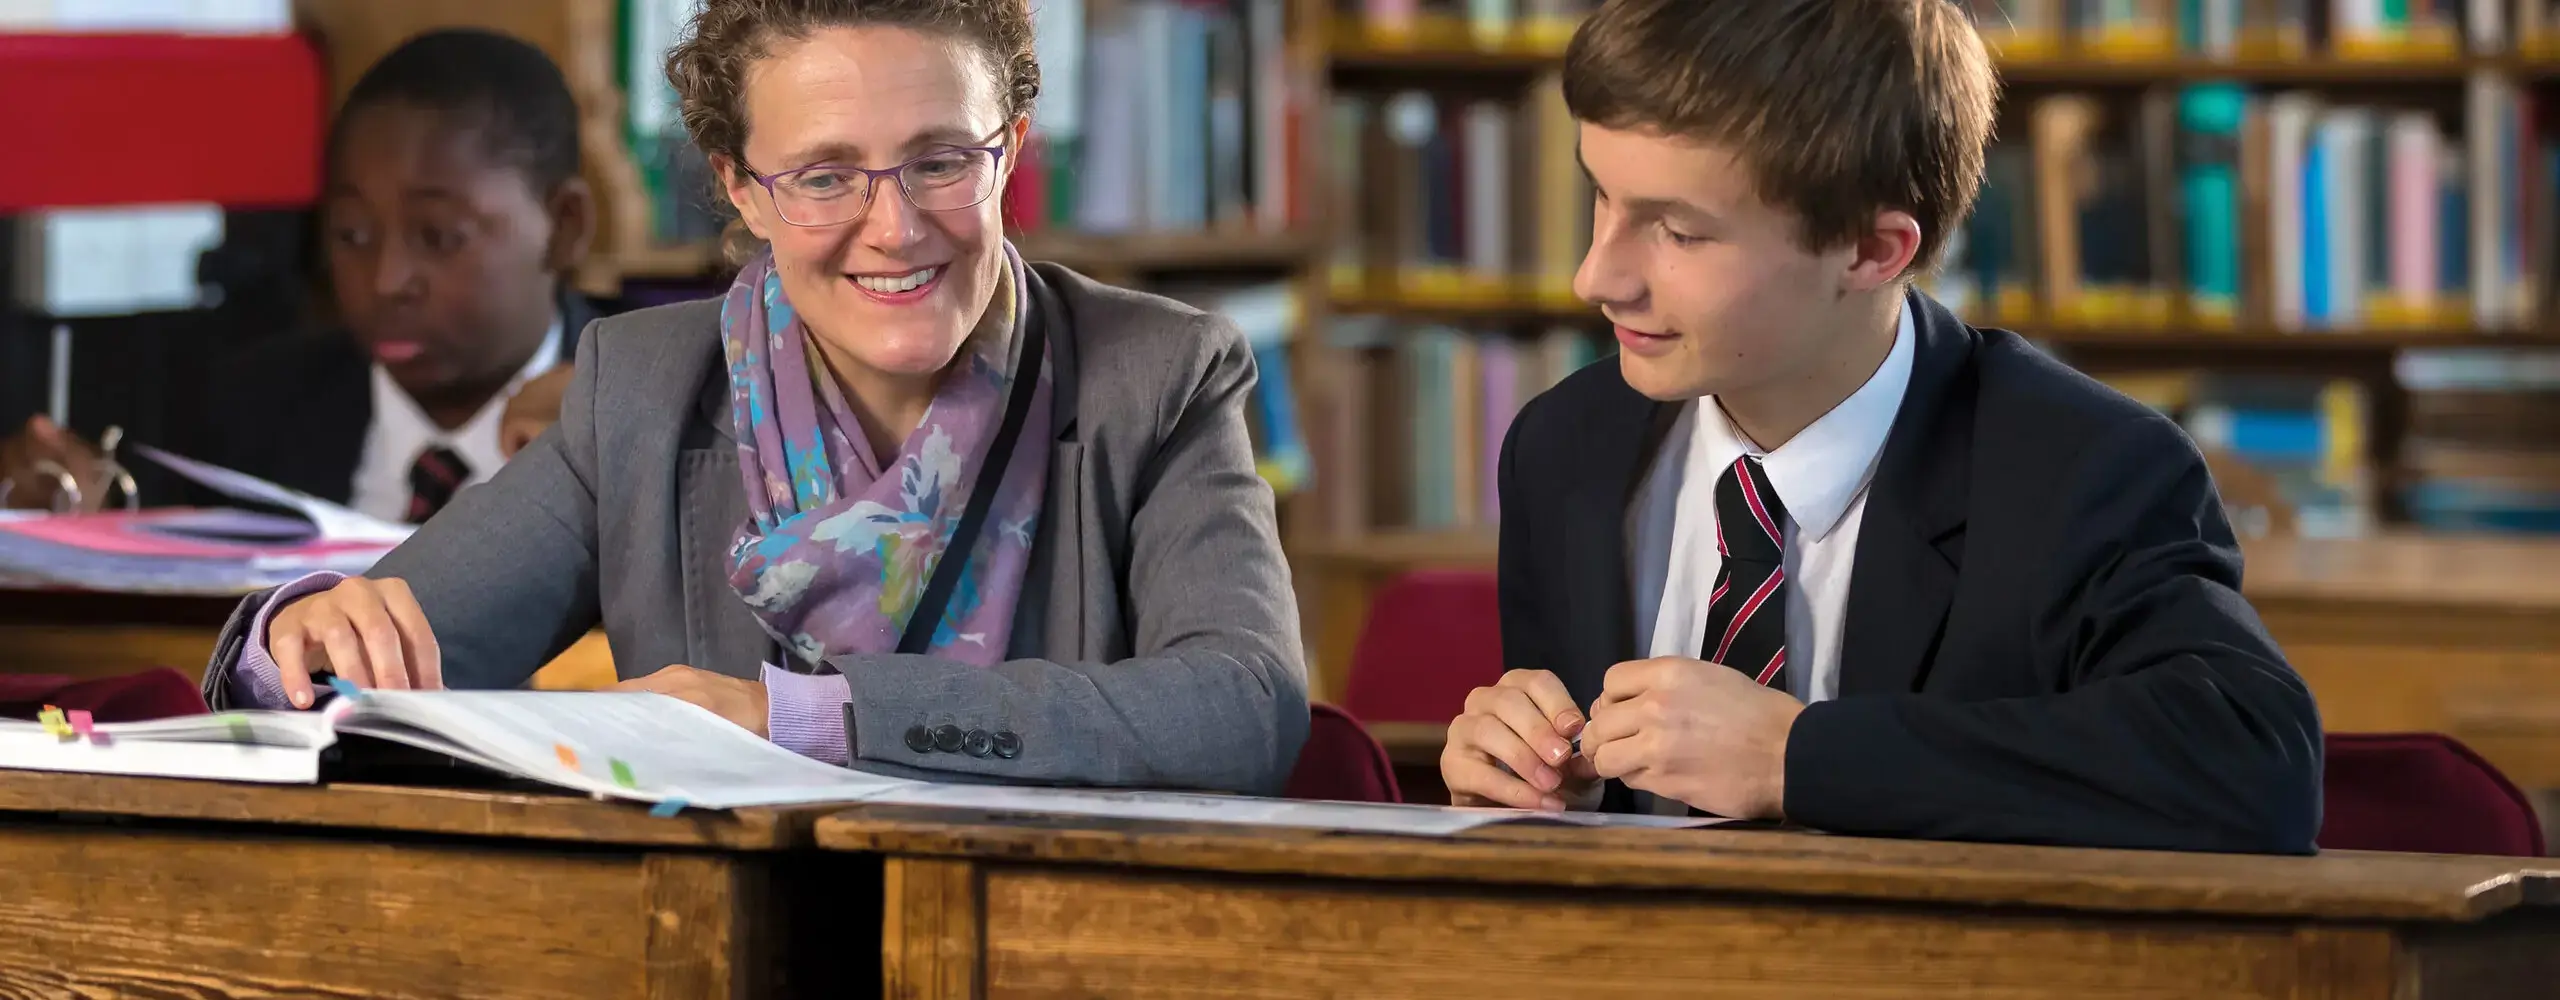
[1694, 732]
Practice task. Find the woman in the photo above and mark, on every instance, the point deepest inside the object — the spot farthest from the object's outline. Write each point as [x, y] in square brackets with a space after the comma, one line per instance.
[755, 493]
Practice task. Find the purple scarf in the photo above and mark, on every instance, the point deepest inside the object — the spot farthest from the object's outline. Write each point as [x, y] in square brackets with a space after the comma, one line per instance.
[837, 547]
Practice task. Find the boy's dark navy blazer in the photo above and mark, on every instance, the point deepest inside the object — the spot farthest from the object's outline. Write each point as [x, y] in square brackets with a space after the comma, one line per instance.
[295, 410]
[2045, 639]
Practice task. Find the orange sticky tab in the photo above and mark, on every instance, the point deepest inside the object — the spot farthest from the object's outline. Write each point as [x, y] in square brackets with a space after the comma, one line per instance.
[568, 757]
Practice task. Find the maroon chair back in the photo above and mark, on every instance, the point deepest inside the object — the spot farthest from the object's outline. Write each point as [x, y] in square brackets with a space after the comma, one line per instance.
[157, 693]
[1341, 761]
[2423, 792]
[1431, 637]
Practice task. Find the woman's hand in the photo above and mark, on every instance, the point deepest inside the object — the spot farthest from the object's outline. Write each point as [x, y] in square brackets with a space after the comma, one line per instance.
[29, 460]
[370, 632]
[739, 701]
[532, 410]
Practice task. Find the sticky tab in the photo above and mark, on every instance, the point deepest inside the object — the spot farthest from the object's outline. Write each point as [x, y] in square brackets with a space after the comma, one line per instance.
[81, 723]
[667, 808]
[568, 757]
[622, 774]
[344, 687]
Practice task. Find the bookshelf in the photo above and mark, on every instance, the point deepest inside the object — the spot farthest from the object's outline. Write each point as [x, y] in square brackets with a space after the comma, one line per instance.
[2433, 61]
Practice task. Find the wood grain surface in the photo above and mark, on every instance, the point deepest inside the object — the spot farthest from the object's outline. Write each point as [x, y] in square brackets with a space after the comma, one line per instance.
[1099, 932]
[2338, 886]
[525, 815]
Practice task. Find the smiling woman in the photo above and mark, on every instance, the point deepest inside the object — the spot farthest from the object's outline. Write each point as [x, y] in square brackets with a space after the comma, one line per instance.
[766, 487]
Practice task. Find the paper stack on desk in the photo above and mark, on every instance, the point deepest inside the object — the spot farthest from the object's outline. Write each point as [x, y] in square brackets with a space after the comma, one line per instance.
[649, 748]
[219, 551]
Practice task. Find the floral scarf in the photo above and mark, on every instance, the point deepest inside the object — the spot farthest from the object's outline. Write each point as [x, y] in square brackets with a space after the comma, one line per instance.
[837, 547]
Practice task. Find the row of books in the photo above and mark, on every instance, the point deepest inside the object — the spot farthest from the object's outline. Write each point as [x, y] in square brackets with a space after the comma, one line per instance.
[2263, 28]
[2210, 205]
[2308, 435]
[1415, 425]
[1540, 23]
[1452, 198]
[1162, 115]
[1154, 116]
[2479, 451]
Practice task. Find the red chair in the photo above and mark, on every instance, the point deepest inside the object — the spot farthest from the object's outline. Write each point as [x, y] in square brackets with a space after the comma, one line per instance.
[157, 693]
[2422, 792]
[1431, 637]
[1341, 761]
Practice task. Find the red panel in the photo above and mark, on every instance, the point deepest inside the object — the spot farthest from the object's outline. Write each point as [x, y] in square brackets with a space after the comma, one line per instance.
[88, 120]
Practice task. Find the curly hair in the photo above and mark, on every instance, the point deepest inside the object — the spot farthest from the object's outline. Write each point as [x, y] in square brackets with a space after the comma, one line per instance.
[708, 67]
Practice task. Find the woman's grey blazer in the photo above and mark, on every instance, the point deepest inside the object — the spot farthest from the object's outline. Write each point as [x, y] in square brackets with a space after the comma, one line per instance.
[1156, 642]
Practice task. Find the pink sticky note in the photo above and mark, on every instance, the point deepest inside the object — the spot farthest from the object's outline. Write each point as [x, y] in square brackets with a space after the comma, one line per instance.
[80, 723]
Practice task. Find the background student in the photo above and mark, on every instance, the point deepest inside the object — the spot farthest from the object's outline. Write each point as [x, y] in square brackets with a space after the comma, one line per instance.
[453, 215]
[1813, 548]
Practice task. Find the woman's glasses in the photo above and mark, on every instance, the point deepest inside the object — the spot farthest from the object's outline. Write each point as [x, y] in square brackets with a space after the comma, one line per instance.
[831, 194]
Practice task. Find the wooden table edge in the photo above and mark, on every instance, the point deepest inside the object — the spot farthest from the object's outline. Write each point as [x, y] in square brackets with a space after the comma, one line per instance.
[2488, 887]
[406, 809]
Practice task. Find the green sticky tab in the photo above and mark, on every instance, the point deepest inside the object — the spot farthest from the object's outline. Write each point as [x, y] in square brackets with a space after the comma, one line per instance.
[240, 728]
[622, 774]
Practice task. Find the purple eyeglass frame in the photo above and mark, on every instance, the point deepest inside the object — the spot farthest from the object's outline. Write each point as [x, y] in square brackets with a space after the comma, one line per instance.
[871, 181]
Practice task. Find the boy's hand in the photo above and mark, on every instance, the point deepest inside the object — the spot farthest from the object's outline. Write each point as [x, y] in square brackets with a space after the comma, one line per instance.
[532, 410]
[34, 460]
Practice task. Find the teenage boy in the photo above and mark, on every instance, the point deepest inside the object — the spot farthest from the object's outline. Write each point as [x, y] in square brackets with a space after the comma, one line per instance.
[1814, 549]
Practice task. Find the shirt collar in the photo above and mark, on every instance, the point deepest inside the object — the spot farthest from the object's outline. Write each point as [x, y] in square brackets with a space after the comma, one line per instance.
[1822, 469]
[393, 410]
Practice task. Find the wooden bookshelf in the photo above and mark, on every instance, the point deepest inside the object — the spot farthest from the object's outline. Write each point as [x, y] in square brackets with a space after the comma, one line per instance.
[1497, 309]
[1155, 253]
[1364, 56]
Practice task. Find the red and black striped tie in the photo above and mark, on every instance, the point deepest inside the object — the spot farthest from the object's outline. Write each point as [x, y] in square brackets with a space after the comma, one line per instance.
[434, 478]
[1747, 616]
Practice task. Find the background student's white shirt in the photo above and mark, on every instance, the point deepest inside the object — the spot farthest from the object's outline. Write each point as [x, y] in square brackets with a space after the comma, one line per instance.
[401, 431]
[1821, 477]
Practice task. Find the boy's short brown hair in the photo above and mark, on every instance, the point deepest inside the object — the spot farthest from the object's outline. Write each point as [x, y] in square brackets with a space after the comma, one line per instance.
[1839, 108]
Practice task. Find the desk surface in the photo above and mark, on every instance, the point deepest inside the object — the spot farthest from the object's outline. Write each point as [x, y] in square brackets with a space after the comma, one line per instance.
[2342, 886]
[2472, 571]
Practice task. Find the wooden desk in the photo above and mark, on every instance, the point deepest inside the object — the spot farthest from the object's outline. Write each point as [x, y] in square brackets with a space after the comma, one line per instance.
[1015, 905]
[145, 887]
[2450, 634]
[87, 634]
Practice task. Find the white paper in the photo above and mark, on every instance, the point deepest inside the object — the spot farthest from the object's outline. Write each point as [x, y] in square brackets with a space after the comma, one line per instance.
[336, 523]
[1429, 821]
[674, 750]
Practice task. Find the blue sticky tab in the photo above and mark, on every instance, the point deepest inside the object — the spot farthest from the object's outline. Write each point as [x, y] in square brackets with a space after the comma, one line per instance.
[344, 687]
[667, 808]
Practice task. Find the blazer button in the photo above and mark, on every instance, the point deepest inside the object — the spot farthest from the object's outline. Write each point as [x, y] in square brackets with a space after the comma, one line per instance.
[1007, 745]
[919, 739]
[947, 738]
[980, 744]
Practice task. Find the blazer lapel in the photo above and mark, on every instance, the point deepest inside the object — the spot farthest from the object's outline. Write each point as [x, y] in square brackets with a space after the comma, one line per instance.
[1911, 541]
[1621, 434]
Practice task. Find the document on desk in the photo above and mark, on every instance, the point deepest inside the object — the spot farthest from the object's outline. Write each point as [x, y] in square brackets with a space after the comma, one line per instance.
[1187, 807]
[223, 551]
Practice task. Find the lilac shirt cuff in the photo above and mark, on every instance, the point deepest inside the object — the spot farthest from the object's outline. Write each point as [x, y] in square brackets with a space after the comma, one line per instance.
[256, 681]
[805, 714]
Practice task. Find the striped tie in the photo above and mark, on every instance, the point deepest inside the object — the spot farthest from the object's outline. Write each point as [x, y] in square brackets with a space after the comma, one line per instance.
[438, 473]
[1747, 616]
